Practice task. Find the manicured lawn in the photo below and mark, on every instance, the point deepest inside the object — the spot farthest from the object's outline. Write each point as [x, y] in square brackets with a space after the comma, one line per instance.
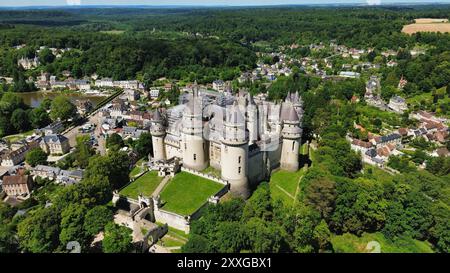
[282, 182]
[185, 193]
[211, 171]
[145, 184]
[17, 137]
[137, 169]
[349, 243]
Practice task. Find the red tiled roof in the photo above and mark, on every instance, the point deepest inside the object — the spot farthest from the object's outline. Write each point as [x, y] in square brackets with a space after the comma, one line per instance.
[15, 180]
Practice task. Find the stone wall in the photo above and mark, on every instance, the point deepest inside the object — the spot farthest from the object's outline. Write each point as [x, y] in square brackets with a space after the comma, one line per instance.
[204, 175]
[172, 219]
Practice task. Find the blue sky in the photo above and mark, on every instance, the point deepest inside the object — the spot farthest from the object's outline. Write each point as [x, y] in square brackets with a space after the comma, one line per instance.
[198, 2]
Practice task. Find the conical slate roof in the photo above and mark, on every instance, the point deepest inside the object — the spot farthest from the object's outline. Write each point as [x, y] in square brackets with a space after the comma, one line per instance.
[292, 116]
[235, 116]
[157, 115]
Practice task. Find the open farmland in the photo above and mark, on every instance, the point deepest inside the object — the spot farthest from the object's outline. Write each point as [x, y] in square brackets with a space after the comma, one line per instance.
[427, 25]
[430, 20]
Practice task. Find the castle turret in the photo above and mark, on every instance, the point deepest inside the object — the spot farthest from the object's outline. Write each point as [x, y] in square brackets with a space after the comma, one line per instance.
[158, 132]
[234, 154]
[291, 135]
[252, 119]
[194, 148]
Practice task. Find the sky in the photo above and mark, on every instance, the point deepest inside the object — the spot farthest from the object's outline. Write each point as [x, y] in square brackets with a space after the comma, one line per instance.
[16, 3]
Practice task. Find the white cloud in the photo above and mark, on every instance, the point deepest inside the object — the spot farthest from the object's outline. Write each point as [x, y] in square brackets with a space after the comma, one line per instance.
[374, 2]
[73, 2]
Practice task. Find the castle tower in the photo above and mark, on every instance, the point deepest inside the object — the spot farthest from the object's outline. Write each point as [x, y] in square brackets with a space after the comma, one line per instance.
[252, 119]
[234, 154]
[291, 135]
[158, 132]
[194, 148]
[298, 105]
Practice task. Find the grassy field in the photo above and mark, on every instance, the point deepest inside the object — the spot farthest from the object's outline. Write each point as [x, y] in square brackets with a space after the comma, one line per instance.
[145, 184]
[211, 171]
[349, 243]
[377, 173]
[186, 192]
[283, 185]
[17, 137]
[137, 169]
[425, 101]
[369, 113]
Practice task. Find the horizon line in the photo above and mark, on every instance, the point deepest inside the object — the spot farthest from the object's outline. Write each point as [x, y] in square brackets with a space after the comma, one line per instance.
[234, 5]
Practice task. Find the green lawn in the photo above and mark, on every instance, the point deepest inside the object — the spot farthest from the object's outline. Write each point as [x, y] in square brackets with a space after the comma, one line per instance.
[137, 169]
[186, 192]
[211, 171]
[349, 243]
[287, 181]
[368, 113]
[424, 101]
[377, 173]
[13, 138]
[145, 184]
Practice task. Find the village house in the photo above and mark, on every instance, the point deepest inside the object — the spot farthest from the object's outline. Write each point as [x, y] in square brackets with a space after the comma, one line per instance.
[371, 157]
[131, 94]
[17, 154]
[402, 83]
[386, 150]
[381, 141]
[54, 128]
[55, 144]
[442, 151]
[67, 178]
[45, 172]
[43, 82]
[219, 85]
[360, 146]
[168, 86]
[118, 108]
[397, 104]
[82, 85]
[349, 74]
[133, 84]
[104, 82]
[27, 63]
[17, 185]
[154, 93]
[392, 63]
[84, 106]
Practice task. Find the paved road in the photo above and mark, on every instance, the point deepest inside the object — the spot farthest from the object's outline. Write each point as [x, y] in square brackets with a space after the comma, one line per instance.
[74, 132]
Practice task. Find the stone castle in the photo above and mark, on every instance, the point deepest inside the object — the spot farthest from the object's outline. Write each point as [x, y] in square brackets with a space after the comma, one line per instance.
[243, 137]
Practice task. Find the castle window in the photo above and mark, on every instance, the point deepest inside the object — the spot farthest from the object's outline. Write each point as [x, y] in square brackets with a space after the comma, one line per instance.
[293, 146]
[195, 156]
[239, 170]
[240, 159]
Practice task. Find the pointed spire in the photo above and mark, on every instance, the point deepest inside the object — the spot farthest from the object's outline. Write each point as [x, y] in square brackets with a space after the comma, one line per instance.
[157, 115]
[288, 97]
[292, 116]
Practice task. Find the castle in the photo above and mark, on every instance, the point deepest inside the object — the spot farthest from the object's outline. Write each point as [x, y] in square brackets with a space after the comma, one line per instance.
[242, 138]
